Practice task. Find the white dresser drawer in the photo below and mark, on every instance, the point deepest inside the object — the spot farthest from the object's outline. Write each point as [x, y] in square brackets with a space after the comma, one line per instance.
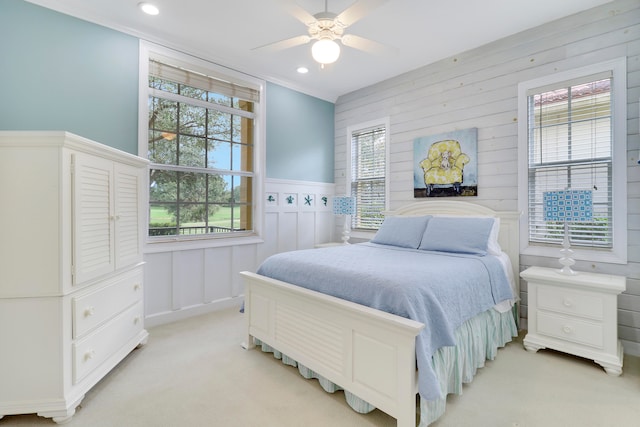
[95, 308]
[570, 329]
[91, 351]
[575, 303]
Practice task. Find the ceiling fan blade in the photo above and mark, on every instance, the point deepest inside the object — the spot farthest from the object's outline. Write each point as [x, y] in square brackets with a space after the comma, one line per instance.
[358, 10]
[284, 44]
[367, 45]
[296, 11]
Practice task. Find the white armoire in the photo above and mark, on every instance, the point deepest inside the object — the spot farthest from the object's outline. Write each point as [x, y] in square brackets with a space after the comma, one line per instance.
[71, 269]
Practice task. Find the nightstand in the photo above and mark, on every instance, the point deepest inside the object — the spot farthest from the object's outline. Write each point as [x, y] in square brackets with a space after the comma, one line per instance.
[576, 314]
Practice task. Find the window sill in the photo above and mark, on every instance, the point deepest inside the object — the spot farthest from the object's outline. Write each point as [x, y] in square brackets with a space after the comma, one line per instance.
[173, 245]
[604, 256]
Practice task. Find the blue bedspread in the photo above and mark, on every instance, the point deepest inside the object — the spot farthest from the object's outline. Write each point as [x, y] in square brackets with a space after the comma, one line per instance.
[441, 290]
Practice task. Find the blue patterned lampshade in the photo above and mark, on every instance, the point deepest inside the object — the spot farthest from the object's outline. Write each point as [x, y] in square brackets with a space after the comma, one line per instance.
[567, 206]
[344, 205]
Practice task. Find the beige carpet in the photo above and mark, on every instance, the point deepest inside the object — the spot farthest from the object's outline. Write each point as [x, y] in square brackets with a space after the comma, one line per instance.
[194, 373]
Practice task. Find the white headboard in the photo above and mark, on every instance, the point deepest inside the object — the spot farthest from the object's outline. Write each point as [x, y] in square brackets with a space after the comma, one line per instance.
[508, 238]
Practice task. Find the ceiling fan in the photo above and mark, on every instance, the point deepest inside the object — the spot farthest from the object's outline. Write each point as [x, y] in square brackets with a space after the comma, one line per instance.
[327, 28]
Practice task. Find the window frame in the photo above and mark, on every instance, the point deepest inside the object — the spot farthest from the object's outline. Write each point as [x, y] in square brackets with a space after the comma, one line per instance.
[618, 253]
[158, 243]
[382, 122]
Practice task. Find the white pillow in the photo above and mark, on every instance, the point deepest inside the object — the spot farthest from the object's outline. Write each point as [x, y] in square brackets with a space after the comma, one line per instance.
[493, 247]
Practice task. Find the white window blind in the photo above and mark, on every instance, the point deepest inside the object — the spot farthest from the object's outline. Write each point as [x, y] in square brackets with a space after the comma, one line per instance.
[570, 146]
[368, 170]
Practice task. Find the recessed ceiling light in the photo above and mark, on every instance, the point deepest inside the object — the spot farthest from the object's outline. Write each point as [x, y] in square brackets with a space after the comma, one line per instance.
[303, 70]
[148, 8]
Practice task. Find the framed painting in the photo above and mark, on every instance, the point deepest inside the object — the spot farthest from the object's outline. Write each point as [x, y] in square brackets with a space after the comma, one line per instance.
[446, 165]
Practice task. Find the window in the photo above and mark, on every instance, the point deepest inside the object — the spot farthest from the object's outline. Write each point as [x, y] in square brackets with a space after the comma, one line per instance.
[368, 184]
[201, 144]
[574, 136]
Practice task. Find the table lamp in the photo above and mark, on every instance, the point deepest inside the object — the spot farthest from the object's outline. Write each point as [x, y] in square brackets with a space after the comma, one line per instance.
[344, 205]
[568, 206]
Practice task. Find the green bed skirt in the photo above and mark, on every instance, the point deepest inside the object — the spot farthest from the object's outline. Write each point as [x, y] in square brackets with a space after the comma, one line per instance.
[478, 340]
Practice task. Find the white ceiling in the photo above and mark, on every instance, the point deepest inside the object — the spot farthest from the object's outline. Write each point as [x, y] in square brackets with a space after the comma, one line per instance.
[225, 32]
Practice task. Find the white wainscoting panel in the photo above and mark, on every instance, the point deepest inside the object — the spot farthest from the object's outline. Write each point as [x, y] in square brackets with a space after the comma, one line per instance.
[158, 283]
[187, 278]
[244, 258]
[218, 283]
[298, 215]
[183, 281]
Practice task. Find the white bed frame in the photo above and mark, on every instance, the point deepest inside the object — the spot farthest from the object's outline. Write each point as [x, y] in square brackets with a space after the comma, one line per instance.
[368, 352]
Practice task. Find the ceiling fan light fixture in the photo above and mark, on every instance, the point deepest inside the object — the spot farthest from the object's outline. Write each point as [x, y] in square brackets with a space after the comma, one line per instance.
[325, 51]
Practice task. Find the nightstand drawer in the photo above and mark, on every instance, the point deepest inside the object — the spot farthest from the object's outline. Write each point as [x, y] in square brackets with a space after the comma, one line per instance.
[581, 304]
[569, 329]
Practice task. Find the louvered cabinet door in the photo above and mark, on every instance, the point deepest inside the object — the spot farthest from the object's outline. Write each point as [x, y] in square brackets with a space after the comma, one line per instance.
[93, 217]
[128, 214]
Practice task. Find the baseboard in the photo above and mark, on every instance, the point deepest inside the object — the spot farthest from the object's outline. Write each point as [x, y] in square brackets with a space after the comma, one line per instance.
[194, 310]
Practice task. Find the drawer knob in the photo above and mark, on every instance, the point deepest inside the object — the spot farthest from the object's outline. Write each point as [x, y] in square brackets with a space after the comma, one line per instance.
[136, 320]
[567, 329]
[567, 302]
[136, 287]
[89, 355]
[89, 311]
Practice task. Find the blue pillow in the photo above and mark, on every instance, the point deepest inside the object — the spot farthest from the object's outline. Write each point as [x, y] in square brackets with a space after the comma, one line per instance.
[459, 235]
[402, 231]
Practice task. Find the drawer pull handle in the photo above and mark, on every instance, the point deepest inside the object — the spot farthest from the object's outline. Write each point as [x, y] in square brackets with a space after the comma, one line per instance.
[89, 311]
[567, 329]
[136, 287]
[567, 302]
[136, 320]
[89, 355]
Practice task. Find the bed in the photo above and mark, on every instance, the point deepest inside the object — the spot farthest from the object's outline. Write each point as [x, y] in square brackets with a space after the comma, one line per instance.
[383, 359]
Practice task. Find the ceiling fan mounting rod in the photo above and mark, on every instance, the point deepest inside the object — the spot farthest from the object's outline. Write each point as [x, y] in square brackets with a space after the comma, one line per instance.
[326, 19]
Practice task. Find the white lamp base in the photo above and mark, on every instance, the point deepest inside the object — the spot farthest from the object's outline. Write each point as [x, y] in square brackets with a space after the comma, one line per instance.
[566, 252]
[346, 232]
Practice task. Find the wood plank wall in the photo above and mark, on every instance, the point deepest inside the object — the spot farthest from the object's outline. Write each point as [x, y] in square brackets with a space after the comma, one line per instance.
[478, 88]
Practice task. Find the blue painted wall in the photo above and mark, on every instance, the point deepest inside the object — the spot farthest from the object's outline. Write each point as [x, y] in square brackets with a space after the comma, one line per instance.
[300, 133]
[62, 73]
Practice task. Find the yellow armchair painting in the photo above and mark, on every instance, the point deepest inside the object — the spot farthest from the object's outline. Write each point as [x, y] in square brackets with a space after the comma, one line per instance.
[444, 164]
